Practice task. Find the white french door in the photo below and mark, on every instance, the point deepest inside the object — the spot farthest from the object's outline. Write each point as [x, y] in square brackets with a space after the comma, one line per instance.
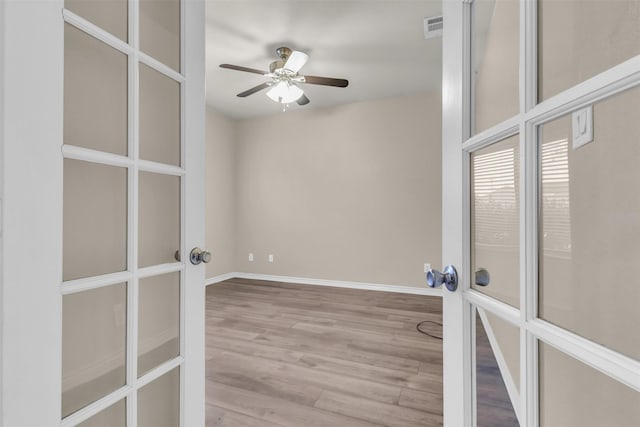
[103, 183]
[541, 145]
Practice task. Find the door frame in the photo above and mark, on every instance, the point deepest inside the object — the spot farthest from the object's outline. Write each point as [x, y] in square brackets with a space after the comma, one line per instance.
[459, 396]
[32, 212]
[31, 178]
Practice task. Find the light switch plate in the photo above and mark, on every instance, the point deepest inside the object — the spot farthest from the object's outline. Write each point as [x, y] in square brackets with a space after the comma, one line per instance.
[582, 127]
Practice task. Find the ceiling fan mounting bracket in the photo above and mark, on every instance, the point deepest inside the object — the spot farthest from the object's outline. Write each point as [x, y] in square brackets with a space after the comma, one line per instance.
[283, 53]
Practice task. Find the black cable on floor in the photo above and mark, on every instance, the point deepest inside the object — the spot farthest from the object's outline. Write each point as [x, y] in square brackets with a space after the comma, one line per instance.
[427, 333]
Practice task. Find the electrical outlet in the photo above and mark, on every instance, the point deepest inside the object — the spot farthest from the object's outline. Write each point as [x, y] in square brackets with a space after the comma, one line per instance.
[251, 256]
[427, 267]
[270, 257]
[582, 127]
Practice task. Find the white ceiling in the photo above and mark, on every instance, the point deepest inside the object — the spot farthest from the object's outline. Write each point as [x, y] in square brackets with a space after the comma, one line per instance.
[377, 45]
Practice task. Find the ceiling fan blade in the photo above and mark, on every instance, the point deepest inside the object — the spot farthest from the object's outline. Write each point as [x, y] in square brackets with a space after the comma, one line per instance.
[303, 100]
[325, 81]
[239, 68]
[254, 90]
[296, 61]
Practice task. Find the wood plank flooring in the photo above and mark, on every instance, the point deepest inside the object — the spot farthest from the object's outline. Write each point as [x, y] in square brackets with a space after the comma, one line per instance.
[296, 355]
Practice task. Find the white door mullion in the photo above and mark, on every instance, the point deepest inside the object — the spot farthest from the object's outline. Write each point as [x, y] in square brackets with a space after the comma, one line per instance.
[156, 270]
[90, 410]
[184, 250]
[85, 284]
[133, 295]
[160, 67]
[95, 156]
[530, 389]
[529, 54]
[155, 167]
[473, 363]
[528, 222]
[525, 172]
[495, 133]
[613, 364]
[96, 32]
[610, 82]
[504, 311]
[526, 237]
[529, 301]
[159, 371]
[132, 349]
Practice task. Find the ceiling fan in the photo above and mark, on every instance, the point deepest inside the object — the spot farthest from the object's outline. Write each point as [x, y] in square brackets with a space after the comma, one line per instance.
[285, 78]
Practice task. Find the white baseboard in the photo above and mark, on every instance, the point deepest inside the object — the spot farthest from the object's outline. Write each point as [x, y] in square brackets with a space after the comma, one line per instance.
[220, 278]
[325, 282]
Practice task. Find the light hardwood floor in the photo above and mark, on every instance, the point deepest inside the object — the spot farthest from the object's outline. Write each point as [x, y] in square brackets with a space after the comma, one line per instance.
[296, 355]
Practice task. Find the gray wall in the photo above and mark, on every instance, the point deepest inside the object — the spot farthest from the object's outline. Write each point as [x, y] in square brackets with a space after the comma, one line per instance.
[346, 193]
[220, 188]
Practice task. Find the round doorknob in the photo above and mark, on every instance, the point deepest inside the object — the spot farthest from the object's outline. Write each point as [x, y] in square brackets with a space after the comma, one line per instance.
[449, 278]
[482, 277]
[198, 255]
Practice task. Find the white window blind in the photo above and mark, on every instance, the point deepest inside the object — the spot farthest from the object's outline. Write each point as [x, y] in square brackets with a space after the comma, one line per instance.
[556, 213]
[495, 201]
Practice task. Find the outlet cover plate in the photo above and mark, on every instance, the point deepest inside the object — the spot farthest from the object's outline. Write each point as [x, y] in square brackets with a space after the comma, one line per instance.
[582, 127]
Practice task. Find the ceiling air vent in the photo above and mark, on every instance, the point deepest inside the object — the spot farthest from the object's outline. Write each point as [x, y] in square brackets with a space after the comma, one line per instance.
[433, 26]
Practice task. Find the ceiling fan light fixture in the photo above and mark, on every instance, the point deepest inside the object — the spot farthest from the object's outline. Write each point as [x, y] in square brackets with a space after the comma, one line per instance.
[285, 92]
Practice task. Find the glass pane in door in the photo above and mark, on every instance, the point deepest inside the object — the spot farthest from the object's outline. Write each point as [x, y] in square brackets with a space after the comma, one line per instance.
[495, 59]
[95, 219]
[573, 394]
[94, 327]
[110, 15]
[158, 321]
[579, 39]
[495, 219]
[497, 371]
[95, 93]
[159, 218]
[113, 416]
[159, 117]
[159, 401]
[590, 225]
[160, 30]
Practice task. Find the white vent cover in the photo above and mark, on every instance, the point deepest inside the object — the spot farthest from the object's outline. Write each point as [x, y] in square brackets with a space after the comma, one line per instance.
[433, 26]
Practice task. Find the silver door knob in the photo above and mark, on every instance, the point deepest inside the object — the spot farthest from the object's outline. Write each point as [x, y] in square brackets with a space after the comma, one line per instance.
[482, 277]
[197, 256]
[449, 278]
